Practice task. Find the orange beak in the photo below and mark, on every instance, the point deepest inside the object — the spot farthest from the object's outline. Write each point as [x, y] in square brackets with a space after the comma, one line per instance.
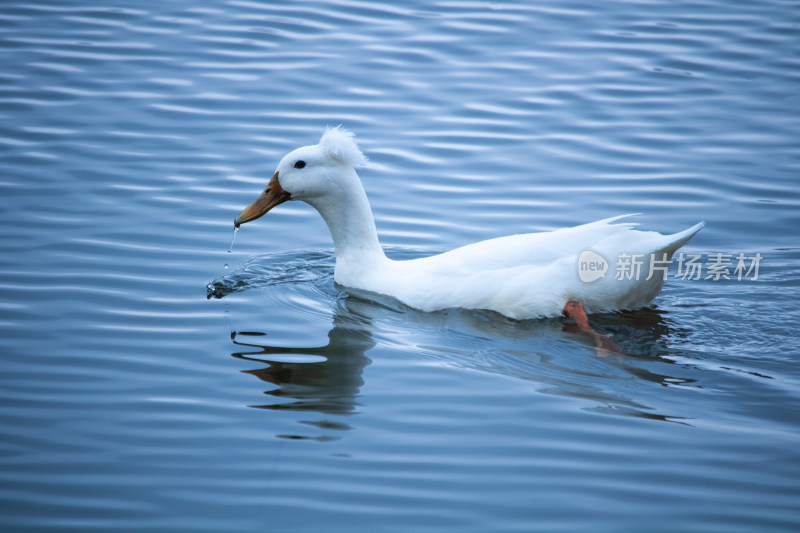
[273, 195]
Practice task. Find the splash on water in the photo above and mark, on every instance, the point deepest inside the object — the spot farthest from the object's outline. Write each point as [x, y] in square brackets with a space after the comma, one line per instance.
[300, 266]
[295, 266]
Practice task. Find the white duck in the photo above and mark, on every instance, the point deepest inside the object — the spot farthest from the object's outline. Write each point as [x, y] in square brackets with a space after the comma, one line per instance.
[520, 276]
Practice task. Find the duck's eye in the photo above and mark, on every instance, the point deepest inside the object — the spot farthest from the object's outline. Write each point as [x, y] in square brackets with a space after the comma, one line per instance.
[299, 164]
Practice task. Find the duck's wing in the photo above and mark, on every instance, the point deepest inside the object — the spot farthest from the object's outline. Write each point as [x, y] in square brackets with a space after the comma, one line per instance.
[535, 274]
[529, 249]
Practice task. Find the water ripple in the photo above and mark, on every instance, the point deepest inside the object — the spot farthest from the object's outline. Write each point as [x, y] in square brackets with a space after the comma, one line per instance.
[132, 135]
[267, 270]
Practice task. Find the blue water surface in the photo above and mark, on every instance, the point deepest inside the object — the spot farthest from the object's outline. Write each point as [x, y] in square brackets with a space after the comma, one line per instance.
[145, 386]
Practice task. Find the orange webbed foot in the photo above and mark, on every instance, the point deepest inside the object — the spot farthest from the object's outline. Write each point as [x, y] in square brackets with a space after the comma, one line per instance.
[575, 310]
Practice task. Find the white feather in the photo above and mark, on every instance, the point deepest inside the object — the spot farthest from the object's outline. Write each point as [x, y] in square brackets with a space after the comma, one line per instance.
[340, 145]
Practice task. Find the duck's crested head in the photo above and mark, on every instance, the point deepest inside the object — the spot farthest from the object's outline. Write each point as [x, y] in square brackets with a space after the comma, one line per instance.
[314, 170]
[310, 172]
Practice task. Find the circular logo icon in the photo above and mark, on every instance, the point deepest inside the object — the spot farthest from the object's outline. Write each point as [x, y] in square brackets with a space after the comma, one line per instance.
[591, 266]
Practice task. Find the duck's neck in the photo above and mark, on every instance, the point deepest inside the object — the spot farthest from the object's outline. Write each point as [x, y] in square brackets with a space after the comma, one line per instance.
[349, 218]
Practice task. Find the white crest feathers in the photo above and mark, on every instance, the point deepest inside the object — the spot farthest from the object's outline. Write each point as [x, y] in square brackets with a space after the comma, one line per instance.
[339, 144]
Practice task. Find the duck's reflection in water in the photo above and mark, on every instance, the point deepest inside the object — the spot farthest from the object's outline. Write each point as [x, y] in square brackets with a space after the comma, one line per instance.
[327, 379]
[324, 379]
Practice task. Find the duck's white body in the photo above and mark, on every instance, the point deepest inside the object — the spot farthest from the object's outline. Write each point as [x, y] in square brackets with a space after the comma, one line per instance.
[520, 276]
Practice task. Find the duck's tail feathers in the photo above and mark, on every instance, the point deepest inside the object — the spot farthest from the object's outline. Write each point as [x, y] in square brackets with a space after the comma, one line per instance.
[619, 217]
[679, 239]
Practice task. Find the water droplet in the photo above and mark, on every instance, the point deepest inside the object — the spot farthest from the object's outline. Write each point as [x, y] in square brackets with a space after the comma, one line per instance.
[233, 240]
[230, 248]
